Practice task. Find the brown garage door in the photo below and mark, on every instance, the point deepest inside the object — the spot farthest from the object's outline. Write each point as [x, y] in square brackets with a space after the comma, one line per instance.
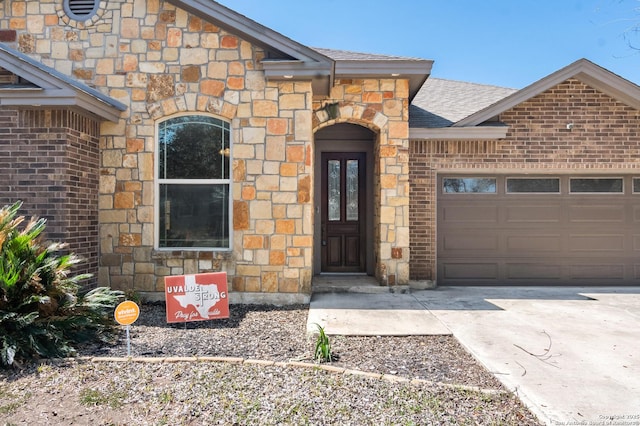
[542, 230]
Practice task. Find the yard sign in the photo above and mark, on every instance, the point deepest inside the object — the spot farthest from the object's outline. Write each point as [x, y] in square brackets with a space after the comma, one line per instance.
[197, 297]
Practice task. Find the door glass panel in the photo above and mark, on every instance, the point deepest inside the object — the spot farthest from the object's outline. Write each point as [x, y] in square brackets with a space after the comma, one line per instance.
[533, 185]
[469, 185]
[352, 189]
[333, 195]
[604, 185]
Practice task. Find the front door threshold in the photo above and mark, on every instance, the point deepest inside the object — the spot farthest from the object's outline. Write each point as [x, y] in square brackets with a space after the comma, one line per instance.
[352, 283]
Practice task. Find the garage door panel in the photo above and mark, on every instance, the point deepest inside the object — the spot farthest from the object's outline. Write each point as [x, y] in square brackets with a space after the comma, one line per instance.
[596, 243]
[470, 271]
[597, 213]
[534, 243]
[470, 241]
[596, 272]
[545, 213]
[461, 213]
[533, 271]
[636, 242]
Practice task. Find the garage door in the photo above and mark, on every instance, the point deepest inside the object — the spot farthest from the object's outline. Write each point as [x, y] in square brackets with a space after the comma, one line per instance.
[540, 230]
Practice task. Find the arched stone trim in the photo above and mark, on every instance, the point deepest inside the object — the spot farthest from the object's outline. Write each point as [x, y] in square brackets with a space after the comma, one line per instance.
[349, 112]
[192, 103]
[72, 22]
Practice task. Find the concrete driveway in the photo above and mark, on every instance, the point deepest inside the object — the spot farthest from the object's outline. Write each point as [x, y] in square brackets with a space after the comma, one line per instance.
[571, 354]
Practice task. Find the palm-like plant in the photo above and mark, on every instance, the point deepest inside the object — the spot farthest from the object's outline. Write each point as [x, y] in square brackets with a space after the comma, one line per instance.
[42, 314]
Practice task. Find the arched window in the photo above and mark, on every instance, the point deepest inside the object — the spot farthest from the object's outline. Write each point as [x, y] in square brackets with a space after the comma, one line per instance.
[81, 10]
[193, 183]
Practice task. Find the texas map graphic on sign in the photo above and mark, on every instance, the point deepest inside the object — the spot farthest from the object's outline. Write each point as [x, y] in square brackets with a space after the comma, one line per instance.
[197, 297]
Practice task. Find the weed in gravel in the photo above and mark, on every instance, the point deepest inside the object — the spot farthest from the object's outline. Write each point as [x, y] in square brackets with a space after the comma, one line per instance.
[322, 352]
[166, 397]
[17, 401]
[93, 397]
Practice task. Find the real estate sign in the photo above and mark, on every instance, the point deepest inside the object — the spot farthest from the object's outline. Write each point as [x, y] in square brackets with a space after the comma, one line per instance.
[198, 297]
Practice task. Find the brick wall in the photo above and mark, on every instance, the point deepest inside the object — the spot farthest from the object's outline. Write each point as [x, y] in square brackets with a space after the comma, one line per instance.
[49, 160]
[605, 137]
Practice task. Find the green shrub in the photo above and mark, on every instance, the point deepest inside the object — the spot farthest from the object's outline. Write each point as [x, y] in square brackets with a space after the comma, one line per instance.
[42, 314]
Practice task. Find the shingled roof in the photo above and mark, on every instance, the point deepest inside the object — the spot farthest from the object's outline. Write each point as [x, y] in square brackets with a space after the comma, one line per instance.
[441, 103]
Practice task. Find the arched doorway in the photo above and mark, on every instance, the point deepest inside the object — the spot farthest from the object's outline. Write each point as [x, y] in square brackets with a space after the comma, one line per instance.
[344, 200]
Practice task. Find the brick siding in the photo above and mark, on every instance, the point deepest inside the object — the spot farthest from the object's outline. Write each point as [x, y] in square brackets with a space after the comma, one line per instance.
[49, 160]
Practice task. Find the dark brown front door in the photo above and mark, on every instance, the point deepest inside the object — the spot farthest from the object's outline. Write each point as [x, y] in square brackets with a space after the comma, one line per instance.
[343, 212]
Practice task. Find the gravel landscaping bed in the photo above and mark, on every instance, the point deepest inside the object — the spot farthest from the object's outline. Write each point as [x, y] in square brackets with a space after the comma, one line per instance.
[82, 392]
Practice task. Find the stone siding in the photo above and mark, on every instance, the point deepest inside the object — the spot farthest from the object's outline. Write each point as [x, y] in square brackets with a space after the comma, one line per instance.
[605, 138]
[160, 61]
[382, 106]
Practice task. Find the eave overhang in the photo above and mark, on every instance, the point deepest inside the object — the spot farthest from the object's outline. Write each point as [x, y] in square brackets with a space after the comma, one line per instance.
[51, 88]
[415, 70]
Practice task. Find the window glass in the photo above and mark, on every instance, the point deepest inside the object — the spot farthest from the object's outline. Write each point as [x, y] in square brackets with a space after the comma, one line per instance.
[334, 190]
[352, 190]
[194, 147]
[596, 185]
[193, 183]
[533, 185]
[469, 185]
[636, 185]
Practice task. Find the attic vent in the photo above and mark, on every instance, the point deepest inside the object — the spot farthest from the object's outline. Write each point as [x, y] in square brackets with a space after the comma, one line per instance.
[81, 9]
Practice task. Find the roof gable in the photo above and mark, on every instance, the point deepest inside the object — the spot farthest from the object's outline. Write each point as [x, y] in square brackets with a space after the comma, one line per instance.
[584, 70]
[28, 82]
[285, 59]
[288, 59]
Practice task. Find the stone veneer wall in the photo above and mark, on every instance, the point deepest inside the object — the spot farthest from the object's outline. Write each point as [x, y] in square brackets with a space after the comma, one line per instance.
[605, 138]
[160, 61]
[382, 106]
[49, 160]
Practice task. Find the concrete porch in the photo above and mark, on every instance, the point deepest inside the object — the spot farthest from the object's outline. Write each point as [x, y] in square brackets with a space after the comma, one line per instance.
[352, 283]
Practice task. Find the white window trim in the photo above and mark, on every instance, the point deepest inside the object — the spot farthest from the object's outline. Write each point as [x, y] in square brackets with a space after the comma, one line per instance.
[157, 181]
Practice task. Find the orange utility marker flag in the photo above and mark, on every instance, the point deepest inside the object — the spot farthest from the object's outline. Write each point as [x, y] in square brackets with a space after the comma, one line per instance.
[199, 297]
[127, 313]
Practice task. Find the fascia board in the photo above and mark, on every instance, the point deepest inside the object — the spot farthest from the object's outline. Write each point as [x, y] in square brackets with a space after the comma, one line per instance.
[468, 133]
[58, 98]
[382, 68]
[274, 68]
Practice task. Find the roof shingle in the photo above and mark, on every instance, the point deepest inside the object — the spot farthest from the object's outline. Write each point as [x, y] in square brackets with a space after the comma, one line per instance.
[441, 103]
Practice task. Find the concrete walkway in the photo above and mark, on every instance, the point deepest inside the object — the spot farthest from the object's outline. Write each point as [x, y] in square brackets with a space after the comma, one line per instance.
[571, 354]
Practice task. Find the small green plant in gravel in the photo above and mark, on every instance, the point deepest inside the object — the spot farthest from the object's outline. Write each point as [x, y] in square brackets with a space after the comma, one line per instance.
[42, 314]
[322, 352]
[92, 397]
